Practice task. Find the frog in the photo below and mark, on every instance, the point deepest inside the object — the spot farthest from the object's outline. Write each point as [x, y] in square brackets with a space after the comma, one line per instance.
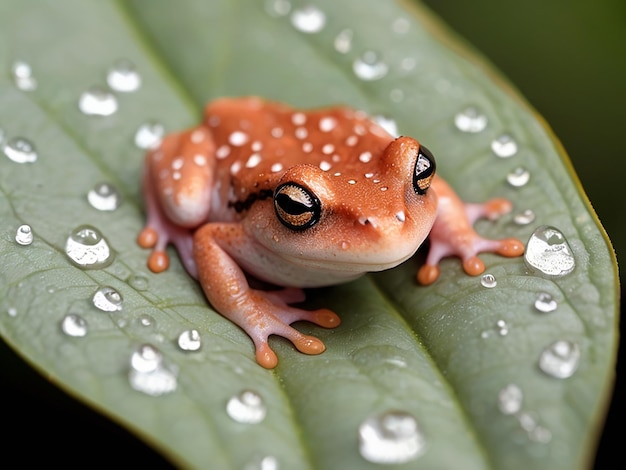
[263, 200]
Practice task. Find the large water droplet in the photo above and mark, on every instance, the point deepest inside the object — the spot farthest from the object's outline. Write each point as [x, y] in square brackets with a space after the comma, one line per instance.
[489, 281]
[87, 248]
[560, 359]
[343, 41]
[504, 146]
[369, 66]
[190, 340]
[393, 437]
[22, 74]
[24, 235]
[308, 19]
[548, 252]
[97, 101]
[20, 150]
[510, 399]
[519, 177]
[123, 76]
[104, 197]
[247, 407]
[470, 120]
[74, 325]
[149, 135]
[545, 303]
[107, 299]
[149, 373]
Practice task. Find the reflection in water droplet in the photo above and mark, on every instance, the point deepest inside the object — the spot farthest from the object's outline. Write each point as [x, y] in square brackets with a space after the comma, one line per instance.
[470, 120]
[503, 328]
[388, 124]
[524, 218]
[246, 407]
[97, 101]
[104, 197]
[107, 299]
[138, 281]
[146, 320]
[343, 41]
[308, 19]
[518, 177]
[24, 235]
[74, 325]
[20, 150]
[393, 437]
[545, 303]
[123, 76]
[510, 399]
[548, 251]
[560, 359]
[149, 135]
[87, 248]
[369, 66]
[489, 281]
[190, 340]
[277, 8]
[504, 146]
[22, 74]
[149, 374]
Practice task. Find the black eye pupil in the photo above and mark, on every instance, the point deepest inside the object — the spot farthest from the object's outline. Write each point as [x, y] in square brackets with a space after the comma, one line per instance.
[424, 170]
[297, 208]
[290, 206]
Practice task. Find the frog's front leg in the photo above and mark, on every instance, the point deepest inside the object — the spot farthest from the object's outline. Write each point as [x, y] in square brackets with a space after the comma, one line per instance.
[259, 313]
[453, 233]
[177, 184]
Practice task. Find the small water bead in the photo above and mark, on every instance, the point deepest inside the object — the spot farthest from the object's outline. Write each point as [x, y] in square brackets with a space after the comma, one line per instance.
[24, 235]
[138, 281]
[308, 19]
[343, 41]
[277, 8]
[149, 135]
[369, 66]
[247, 407]
[548, 252]
[525, 217]
[503, 328]
[504, 146]
[12, 311]
[104, 197]
[470, 120]
[401, 25]
[545, 303]
[388, 124]
[123, 76]
[149, 374]
[393, 437]
[87, 248]
[23, 78]
[74, 325]
[510, 399]
[560, 360]
[146, 320]
[107, 299]
[489, 281]
[519, 177]
[190, 340]
[20, 150]
[268, 462]
[97, 101]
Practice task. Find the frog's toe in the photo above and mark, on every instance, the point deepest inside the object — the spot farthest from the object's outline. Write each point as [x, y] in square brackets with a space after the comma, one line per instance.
[510, 247]
[473, 266]
[158, 261]
[148, 238]
[428, 274]
[308, 344]
[265, 356]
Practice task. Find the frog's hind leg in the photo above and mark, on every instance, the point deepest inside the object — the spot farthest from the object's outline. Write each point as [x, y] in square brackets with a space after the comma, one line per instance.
[177, 183]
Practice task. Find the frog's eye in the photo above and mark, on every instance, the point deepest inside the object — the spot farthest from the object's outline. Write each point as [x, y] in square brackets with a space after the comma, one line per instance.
[424, 170]
[296, 207]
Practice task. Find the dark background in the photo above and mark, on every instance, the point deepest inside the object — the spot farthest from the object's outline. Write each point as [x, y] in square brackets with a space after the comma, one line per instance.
[567, 57]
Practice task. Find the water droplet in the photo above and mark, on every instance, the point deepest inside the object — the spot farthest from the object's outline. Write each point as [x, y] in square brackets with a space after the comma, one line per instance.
[97, 101]
[149, 374]
[401, 25]
[388, 124]
[138, 281]
[308, 19]
[470, 120]
[149, 135]
[489, 281]
[510, 399]
[503, 328]
[146, 320]
[277, 8]
[396, 95]
[540, 434]
[246, 407]
[519, 177]
[504, 146]
[107, 299]
[545, 303]
[104, 197]
[24, 235]
[393, 437]
[20, 150]
[369, 66]
[268, 462]
[87, 248]
[190, 340]
[343, 41]
[548, 251]
[525, 217]
[12, 312]
[22, 74]
[560, 359]
[74, 325]
[123, 76]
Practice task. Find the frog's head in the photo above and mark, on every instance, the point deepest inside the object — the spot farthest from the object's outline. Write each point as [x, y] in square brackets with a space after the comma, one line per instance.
[355, 220]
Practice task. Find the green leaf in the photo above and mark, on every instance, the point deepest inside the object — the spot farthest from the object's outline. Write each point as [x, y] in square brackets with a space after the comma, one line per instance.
[439, 353]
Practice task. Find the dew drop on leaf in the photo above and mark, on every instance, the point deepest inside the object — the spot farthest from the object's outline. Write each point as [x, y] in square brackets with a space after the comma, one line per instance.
[149, 135]
[104, 197]
[343, 41]
[246, 407]
[547, 251]
[277, 8]
[87, 248]
[97, 101]
[190, 340]
[74, 325]
[308, 19]
[560, 359]
[545, 303]
[388, 124]
[24, 235]
[369, 66]
[470, 120]
[138, 281]
[488, 280]
[20, 150]
[519, 177]
[149, 373]
[123, 76]
[525, 217]
[504, 146]
[107, 299]
[22, 74]
[510, 399]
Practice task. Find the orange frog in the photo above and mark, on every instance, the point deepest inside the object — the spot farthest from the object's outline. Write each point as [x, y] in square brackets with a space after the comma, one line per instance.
[300, 199]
